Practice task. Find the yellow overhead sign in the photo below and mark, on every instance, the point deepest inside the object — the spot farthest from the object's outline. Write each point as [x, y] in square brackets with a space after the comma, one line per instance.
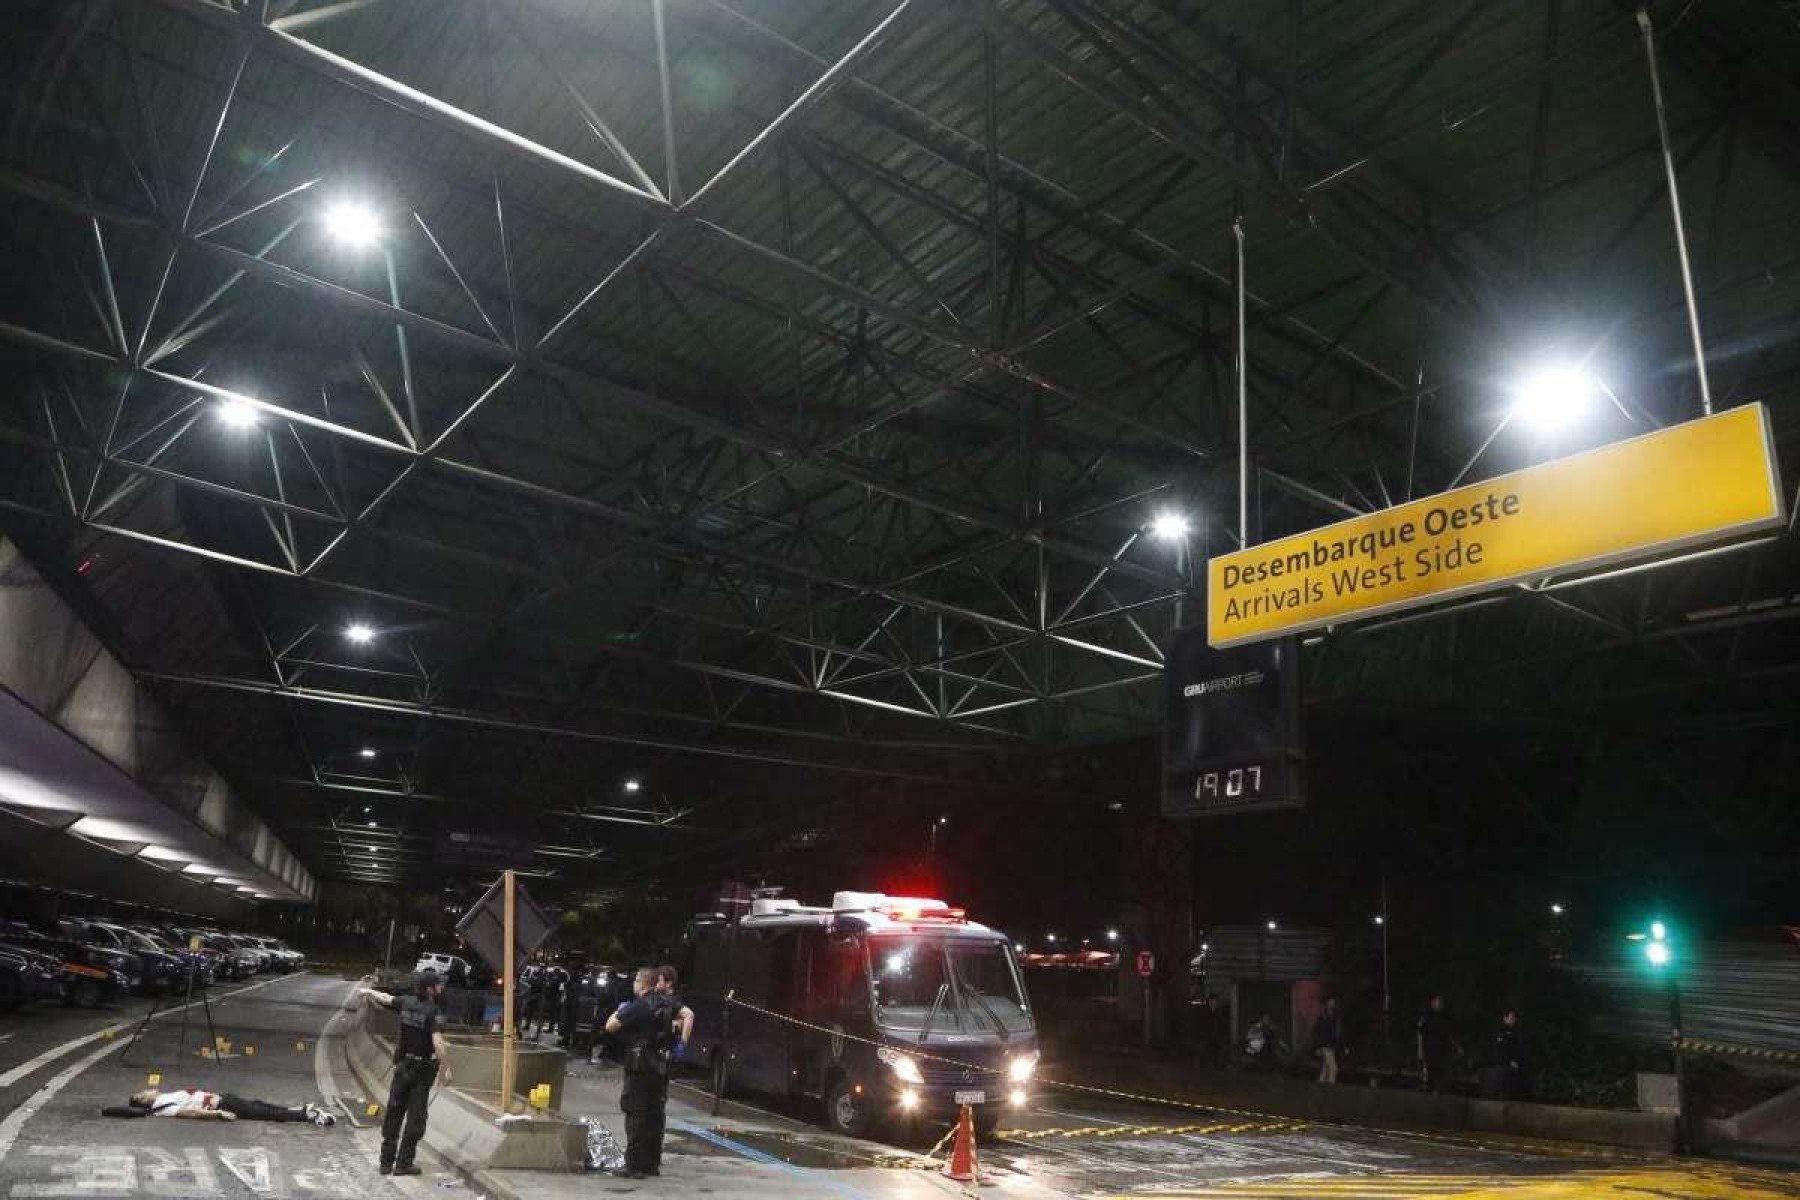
[1699, 482]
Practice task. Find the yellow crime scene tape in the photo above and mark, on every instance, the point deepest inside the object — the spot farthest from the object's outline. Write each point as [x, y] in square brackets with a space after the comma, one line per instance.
[1738, 1050]
[1259, 1121]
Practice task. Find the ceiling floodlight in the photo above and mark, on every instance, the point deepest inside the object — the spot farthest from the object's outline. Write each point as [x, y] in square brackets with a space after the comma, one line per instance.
[352, 224]
[1169, 526]
[360, 632]
[235, 414]
[1554, 397]
[367, 752]
[632, 785]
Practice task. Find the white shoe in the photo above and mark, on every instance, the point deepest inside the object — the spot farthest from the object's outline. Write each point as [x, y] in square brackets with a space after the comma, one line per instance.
[319, 1116]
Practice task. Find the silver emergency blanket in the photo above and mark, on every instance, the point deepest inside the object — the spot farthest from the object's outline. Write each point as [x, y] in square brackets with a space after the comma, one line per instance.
[603, 1153]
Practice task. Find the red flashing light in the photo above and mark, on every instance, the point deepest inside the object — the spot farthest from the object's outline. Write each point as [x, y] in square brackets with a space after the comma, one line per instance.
[918, 912]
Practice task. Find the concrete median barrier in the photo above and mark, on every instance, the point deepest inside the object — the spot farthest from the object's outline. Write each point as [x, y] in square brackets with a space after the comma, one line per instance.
[466, 1126]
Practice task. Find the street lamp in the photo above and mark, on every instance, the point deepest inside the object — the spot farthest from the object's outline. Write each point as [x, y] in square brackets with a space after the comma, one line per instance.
[360, 633]
[1112, 935]
[1556, 910]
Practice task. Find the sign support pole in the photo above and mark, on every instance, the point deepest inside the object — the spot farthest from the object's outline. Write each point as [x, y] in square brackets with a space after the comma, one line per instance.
[508, 1059]
[1243, 389]
[1681, 250]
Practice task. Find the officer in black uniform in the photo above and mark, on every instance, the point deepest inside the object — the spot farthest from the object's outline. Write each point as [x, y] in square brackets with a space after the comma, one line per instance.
[419, 1057]
[645, 1029]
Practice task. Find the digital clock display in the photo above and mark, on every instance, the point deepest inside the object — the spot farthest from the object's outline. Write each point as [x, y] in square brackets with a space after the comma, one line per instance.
[1231, 741]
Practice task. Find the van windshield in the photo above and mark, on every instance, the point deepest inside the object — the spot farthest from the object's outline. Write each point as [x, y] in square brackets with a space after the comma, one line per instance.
[929, 984]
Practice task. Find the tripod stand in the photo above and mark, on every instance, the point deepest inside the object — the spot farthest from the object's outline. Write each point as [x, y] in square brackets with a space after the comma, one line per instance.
[186, 1008]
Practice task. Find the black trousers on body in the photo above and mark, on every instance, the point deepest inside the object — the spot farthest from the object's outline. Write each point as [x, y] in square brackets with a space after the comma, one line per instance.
[259, 1110]
[645, 1099]
[406, 1106]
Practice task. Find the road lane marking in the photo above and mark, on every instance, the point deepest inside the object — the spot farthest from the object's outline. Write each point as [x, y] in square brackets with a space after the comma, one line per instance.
[15, 1120]
[55, 1052]
[253, 1167]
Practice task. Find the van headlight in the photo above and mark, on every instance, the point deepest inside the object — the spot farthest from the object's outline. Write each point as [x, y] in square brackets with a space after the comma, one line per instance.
[1022, 1067]
[905, 1068]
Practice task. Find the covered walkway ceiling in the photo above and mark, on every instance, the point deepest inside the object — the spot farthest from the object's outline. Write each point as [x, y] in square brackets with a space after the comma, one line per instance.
[792, 382]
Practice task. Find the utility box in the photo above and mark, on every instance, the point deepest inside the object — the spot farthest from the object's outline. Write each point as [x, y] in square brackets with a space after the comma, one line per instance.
[1657, 1093]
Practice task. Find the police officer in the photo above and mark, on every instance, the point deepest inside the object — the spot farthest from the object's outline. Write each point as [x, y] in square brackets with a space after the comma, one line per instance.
[420, 1056]
[645, 1029]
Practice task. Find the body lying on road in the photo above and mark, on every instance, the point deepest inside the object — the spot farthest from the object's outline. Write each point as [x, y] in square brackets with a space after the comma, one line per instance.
[194, 1104]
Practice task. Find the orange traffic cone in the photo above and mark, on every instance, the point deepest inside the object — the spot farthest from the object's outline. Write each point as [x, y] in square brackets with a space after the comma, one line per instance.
[961, 1166]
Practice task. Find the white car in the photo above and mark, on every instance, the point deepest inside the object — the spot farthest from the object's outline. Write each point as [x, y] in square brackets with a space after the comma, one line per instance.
[285, 958]
[447, 965]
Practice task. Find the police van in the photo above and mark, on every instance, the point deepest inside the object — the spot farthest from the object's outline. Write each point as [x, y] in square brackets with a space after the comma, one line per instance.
[883, 1008]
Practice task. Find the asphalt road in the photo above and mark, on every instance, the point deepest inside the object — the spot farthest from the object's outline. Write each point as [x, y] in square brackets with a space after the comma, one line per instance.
[54, 1142]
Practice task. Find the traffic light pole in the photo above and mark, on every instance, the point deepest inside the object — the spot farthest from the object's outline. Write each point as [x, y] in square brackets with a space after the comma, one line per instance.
[1681, 1124]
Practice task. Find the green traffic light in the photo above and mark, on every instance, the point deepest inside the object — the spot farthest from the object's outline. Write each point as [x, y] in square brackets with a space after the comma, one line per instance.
[1657, 953]
[1658, 930]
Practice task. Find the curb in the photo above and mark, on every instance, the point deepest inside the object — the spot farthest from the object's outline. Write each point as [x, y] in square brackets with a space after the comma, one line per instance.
[369, 1057]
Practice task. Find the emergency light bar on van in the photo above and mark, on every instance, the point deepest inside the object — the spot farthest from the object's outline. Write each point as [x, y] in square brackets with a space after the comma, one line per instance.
[896, 908]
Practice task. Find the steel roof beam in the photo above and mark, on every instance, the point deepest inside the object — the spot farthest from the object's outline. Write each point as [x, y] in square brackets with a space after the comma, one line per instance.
[470, 718]
[291, 49]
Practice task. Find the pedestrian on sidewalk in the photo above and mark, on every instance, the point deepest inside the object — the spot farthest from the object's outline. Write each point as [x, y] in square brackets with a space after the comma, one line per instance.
[1215, 1031]
[1503, 1065]
[1261, 1043]
[420, 1057]
[645, 1027]
[1433, 1037]
[1328, 1041]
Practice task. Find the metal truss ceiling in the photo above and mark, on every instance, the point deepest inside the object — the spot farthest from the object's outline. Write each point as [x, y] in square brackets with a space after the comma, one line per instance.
[791, 383]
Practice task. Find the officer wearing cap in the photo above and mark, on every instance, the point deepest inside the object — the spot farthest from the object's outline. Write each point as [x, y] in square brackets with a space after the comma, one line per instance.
[420, 1057]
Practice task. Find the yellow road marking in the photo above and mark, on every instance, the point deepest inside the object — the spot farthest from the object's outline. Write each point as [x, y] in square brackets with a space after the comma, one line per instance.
[1669, 1183]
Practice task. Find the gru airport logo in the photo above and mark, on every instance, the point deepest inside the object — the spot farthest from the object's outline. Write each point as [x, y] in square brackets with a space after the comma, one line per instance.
[1699, 482]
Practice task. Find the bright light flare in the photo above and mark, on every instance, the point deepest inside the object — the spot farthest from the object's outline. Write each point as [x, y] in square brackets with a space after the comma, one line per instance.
[1169, 526]
[1018, 1098]
[1658, 930]
[360, 632]
[367, 752]
[1556, 910]
[1554, 397]
[1271, 927]
[1112, 935]
[237, 415]
[352, 224]
[633, 785]
[1657, 953]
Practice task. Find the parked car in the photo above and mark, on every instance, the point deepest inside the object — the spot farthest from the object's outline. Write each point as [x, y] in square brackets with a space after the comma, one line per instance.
[240, 961]
[201, 963]
[161, 970]
[265, 958]
[26, 975]
[285, 957]
[90, 975]
[449, 966]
